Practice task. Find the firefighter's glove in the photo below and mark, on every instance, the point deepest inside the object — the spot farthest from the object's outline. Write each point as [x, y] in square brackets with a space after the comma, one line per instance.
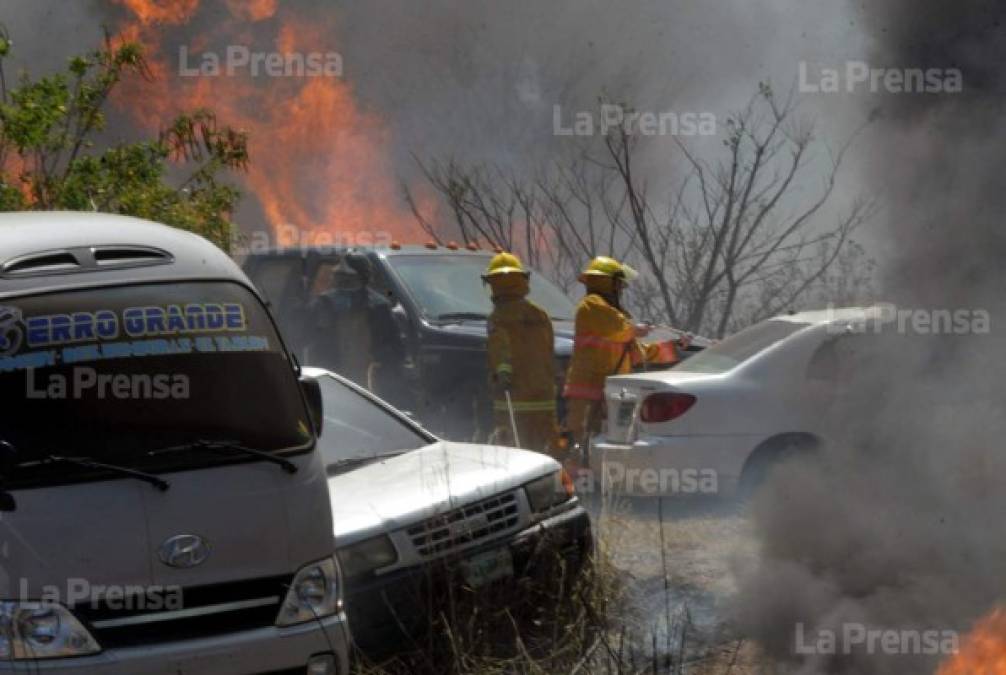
[504, 382]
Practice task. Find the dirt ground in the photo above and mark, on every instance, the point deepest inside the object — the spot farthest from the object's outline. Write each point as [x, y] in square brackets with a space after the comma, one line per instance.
[678, 557]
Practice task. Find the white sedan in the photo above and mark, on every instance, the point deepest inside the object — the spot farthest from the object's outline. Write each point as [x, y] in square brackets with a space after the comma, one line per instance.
[716, 423]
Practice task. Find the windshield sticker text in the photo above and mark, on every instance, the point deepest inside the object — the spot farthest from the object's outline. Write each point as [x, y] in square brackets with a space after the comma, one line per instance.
[103, 325]
[78, 337]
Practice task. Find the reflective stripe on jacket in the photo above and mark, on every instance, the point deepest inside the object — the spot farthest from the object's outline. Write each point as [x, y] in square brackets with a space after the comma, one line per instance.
[524, 406]
[604, 344]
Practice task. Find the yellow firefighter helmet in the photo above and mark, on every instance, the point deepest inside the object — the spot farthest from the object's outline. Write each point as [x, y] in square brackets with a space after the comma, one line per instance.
[504, 263]
[603, 266]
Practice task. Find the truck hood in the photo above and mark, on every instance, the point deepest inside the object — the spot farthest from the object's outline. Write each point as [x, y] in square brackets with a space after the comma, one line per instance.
[411, 487]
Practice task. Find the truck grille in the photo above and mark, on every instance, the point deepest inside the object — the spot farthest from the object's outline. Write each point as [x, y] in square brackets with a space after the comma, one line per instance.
[200, 611]
[465, 526]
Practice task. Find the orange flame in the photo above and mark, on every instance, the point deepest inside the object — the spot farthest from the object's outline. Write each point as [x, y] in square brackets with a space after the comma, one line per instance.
[252, 10]
[16, 169]
[162, 11]
[319, 163]
[983, 651]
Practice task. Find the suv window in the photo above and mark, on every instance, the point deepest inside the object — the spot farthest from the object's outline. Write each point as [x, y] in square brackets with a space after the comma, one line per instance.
[113, 374]
[322, 280]
[274, 276]
[444, 285]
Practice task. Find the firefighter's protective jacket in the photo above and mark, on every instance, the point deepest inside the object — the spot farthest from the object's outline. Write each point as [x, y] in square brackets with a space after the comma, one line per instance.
[521, 344]
[605, 344]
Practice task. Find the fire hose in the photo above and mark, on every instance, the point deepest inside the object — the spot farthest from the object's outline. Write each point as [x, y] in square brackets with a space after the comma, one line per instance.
[513, 419]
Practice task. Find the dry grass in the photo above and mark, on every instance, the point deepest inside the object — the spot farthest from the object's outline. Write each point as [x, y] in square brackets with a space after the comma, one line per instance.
[533, 628]
[599, 623]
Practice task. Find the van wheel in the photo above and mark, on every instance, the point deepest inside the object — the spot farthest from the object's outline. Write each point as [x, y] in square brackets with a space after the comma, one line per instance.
[770, 455]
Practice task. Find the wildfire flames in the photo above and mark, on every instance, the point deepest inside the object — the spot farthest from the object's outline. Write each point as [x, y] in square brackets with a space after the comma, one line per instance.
[318, 162]
[983, 651]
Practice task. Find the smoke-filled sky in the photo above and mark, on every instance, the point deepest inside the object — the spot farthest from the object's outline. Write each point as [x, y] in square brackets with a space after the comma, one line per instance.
[479, 80]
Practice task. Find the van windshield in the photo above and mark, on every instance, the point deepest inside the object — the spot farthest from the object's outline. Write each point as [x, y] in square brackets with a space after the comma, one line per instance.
[114, 374]
[450, 286]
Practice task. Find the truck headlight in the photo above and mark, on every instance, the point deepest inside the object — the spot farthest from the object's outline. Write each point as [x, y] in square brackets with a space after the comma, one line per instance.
[42, 630]
[548, 491]
[314, 593]
[367, 555]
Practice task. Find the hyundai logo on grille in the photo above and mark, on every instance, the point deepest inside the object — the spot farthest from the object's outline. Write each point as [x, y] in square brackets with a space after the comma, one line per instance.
[184, 550]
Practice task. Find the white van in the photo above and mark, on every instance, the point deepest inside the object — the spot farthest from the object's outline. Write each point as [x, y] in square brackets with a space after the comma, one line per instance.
[164, 509]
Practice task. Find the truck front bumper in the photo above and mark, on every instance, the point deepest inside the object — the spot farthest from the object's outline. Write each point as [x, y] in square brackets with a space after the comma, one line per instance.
[393, 612]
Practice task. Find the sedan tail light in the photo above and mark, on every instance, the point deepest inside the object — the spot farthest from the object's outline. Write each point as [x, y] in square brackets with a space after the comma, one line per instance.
[665, 406]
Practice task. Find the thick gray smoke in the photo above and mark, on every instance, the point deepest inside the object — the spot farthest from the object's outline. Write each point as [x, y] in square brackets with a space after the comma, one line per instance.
[478, 79]
[902, 530]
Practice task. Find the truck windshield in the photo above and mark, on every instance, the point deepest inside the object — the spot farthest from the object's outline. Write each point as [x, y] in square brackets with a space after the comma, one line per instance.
[117, 373]
[450, 286]
[740, 347]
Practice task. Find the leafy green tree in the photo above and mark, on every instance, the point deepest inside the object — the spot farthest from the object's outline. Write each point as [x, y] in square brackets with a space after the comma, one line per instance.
[49, 157]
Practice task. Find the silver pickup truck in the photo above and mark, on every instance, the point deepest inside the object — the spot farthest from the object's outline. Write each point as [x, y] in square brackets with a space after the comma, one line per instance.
[418, 519]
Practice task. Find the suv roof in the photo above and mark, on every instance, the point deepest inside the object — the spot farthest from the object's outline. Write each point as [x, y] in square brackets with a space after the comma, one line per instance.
[404, 249]
[49, 250]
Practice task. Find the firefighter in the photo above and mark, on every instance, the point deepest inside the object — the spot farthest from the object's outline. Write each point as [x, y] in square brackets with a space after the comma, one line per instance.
[520, 359]
[605, 343]
[353, 329]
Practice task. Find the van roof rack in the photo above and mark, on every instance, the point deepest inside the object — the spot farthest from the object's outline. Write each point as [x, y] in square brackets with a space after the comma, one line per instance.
[84, 259]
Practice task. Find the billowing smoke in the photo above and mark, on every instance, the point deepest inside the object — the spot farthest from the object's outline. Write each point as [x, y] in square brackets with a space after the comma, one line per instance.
[479, 80]
[944, 156]
[899, 538]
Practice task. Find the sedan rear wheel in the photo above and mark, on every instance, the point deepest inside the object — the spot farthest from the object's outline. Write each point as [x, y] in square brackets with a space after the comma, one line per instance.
[769, 456]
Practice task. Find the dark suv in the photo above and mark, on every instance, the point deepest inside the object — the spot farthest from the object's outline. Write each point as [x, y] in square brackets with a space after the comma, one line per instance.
[441, 307]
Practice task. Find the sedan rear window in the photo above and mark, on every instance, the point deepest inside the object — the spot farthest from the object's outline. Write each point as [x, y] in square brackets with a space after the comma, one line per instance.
[740, 347]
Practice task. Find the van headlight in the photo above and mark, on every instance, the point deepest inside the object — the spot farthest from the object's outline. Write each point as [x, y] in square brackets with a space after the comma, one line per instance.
[548, 491]
[367, 555]
[42, 630]
[314, 594]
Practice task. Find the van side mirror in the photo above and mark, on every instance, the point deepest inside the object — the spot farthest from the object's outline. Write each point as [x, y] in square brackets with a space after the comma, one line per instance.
[8, 461]
[8, 457]
[312, 394]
